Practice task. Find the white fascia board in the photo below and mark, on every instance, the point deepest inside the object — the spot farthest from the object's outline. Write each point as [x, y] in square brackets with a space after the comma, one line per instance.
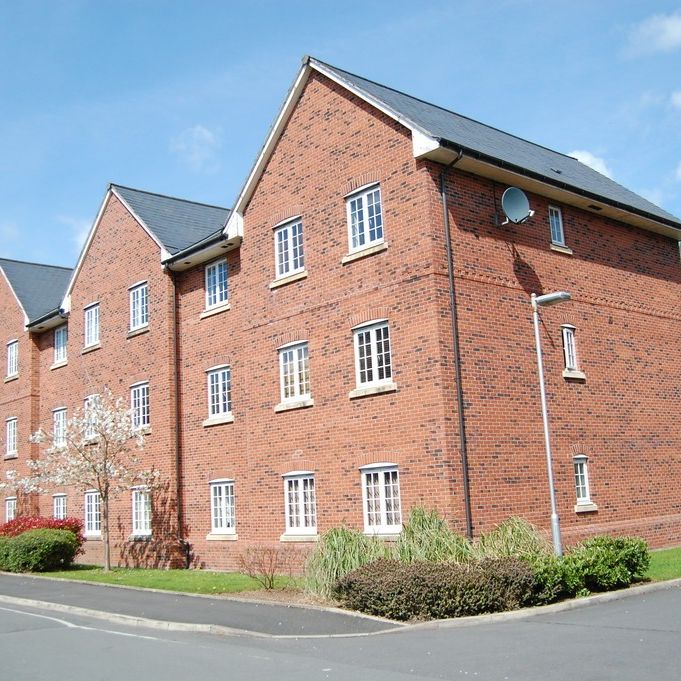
[138, 219]
[423, 144]
[21, 307]
[234, 226]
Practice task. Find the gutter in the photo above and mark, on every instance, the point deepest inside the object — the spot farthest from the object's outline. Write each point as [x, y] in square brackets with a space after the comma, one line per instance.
[200, 245]
[46, 317]
[544, 179]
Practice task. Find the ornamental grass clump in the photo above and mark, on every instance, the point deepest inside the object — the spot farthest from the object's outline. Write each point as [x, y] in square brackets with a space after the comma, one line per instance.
[338, 552]
[513, 537]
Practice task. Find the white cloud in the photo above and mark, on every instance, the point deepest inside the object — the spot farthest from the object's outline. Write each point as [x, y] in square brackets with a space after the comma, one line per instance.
[676, 99]
[198, 147]
[79, 227]
[658, 33]
[593, 161]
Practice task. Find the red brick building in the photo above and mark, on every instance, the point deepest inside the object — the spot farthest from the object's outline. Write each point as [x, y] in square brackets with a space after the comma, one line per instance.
[301, 361]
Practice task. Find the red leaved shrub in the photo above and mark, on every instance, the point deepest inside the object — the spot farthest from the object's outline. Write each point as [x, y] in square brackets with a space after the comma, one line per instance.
[23, 523]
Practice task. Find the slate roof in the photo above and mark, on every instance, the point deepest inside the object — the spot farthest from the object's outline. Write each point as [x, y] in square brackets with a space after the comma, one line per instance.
[498, 146]
[39, 288]
[176, 223]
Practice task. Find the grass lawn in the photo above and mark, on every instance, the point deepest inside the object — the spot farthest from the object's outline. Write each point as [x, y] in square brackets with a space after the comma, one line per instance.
[665, 564]
[187, 581]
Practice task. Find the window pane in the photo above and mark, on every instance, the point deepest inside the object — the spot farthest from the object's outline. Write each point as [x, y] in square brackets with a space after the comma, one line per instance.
[366, 373]
[373, 199]
[357, 222]
[222, 507]
[373, 496]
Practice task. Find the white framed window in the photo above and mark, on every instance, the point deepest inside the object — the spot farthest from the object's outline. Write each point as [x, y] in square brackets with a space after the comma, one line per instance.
[11, 437]
[89, 404]
[139, 404]
[373, 363]
[219, 391]
[141, 512]
[92, 325]
[93, 514]
[365, 218]
[216, 284]
[300, 503]
[294, 372]
[12, 358]
[222, 515]
[61, 337]
[59, 427]
[59, 506]
[288, 248]
[569, 347]
[10, 508]
[381, 498]
[556, 223]
[582, 480]
[139, 306]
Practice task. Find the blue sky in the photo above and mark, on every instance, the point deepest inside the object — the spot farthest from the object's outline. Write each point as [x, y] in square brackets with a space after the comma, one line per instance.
[177, 97]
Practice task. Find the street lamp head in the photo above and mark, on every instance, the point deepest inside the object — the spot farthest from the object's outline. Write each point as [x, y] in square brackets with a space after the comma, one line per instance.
[550, 298]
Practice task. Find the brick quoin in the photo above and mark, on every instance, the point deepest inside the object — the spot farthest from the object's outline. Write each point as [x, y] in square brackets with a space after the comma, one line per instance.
[625, 286]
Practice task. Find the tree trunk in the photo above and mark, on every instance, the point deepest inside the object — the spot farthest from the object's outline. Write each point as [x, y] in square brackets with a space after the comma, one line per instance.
[105, 534]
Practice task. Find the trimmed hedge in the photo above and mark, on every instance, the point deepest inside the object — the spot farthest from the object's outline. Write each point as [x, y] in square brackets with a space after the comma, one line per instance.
[38, 551]
[23, 523]
[423, 590]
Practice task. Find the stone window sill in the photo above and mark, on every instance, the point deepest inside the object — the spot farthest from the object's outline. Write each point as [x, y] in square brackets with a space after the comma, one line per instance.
[209, 312]
[574, 375]
[93, 537]
[13, 377]
[137, 332]
[372, 390]
[90, 348]
[7, 457]
[298, 404]
[357, 255]
[215, 536]
[387, 536]
[218, 420]
[562, 249]
[139, 537]
[59, 365]
[585, 508]
[282, 281]
[299, 537]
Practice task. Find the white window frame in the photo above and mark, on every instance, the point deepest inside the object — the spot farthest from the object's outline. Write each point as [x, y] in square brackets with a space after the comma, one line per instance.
[92, 511]
[217, 406]
[372, 328]
[556, 226]
[139, 306]
[299, 387]
[300, 503]
[91, 325]
[140, 405]
[581, 476]
[222, 506]
[216, 295]
[569, 347]
[59, 421]
[377, 474]
[289, 248]
[10, 508]
[12, 437]
[90, 432]
[12, 358]
[59, 506]
[360, 239]
[61, 339]
[141, 512]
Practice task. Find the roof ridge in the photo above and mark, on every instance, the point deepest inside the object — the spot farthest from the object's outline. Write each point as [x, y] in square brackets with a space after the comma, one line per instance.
[449, 111]
[168, 196]
[37, 264]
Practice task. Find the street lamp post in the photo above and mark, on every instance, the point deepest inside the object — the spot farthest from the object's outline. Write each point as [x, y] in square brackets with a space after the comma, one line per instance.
[537, 302]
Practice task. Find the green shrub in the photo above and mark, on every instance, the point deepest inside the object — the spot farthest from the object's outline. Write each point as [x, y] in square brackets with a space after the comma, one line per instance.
[605, 563]
[38, 551]
[424, 590]
[426, 537]
[338, 552]
[513, 537]
[555, 578]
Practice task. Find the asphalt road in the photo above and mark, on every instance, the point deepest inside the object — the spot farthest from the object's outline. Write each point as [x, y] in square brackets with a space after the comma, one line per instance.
[636, 638]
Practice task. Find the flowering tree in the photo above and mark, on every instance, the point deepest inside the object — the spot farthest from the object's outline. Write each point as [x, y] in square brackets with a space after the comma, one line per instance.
[95, 450]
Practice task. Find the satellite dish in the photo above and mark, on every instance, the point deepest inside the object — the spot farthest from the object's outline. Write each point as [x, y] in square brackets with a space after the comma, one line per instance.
[515, 205]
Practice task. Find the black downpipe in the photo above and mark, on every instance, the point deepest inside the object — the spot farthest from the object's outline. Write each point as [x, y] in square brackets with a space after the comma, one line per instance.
[457, 355]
